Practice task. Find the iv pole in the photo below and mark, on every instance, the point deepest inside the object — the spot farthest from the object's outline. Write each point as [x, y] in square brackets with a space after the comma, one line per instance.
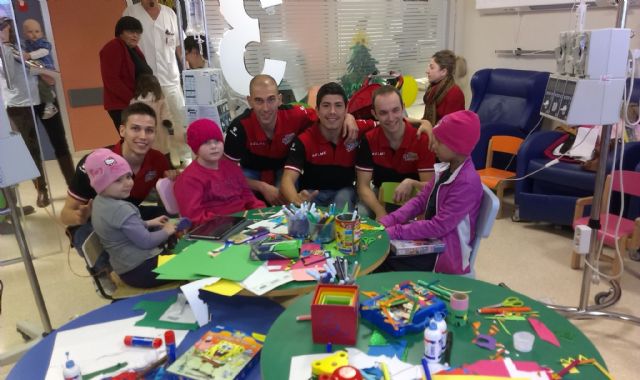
[584, 311]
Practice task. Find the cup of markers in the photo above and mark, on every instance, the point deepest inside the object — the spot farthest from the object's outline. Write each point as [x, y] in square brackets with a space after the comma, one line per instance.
[348, 233]
[309, 222]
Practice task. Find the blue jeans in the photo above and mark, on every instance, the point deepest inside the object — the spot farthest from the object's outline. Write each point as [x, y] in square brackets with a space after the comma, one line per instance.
[346, 195]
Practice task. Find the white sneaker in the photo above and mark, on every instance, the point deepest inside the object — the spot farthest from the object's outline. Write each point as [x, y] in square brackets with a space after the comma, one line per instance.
[50, 111]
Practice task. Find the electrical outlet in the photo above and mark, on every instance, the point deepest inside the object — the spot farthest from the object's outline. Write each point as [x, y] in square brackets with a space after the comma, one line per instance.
[581, 239]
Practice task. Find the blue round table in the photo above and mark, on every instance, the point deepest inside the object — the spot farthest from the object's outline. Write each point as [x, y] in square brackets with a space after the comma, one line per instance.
[249, 314]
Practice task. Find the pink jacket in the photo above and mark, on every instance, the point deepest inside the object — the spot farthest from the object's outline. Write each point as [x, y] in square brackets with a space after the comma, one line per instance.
[457, 206]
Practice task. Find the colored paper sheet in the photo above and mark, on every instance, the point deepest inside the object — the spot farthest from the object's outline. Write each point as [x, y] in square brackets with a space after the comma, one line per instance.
[194, 262]
[543, 331]
[224, 288]
[472, 377]
[498, 368]
[298, 270]
[193, 257]
[390, 349]
[154, 310]
[199, 307]
[163, 259]
[262, 280]
[99, 346]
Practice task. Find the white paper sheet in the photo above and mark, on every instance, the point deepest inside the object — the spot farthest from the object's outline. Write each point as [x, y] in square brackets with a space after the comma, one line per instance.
[199, 308]
[100, 346]
[179, 311]
[262, 281]
[300, 368]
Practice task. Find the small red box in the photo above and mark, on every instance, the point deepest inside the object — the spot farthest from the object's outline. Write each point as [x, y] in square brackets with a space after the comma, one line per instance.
[334, 314]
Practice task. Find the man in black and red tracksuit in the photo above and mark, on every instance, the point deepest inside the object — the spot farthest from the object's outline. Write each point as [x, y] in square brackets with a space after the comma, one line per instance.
[321, 158]
[259, 139]
[391, 153]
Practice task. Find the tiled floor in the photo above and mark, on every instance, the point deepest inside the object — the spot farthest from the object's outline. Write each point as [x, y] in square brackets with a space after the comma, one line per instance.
[530, 258]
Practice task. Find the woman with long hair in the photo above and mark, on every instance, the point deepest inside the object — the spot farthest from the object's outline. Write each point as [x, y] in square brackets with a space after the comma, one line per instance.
[443, 96]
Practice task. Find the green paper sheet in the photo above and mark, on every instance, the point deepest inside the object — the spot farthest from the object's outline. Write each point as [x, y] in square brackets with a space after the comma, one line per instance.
[194, 262]
[154, 310]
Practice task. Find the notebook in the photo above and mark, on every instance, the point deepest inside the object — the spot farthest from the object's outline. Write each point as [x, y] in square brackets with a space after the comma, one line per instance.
[218, 228]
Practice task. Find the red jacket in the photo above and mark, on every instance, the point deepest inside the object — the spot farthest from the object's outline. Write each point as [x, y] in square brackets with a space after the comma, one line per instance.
[118, 74]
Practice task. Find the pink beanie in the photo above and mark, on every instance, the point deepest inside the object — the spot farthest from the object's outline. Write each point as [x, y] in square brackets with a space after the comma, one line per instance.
[104, 167]
[459, 131]
[201, 131]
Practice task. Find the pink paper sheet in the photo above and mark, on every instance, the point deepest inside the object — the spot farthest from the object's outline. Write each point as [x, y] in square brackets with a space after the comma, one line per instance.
[543, 332]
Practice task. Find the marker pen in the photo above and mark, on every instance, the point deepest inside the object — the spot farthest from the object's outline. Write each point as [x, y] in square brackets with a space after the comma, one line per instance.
[170, 343]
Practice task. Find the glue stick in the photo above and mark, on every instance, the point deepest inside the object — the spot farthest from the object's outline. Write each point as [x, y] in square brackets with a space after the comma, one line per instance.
[442, 327]
[432, 348]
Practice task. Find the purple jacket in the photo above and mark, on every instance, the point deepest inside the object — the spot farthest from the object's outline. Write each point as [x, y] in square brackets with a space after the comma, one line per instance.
[457, 206]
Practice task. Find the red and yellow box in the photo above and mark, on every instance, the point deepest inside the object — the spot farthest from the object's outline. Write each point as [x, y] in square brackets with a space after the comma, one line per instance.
[334, 314]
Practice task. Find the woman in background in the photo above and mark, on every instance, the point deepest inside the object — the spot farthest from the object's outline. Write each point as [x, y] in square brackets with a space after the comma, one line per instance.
[121, 62]
[443, 96]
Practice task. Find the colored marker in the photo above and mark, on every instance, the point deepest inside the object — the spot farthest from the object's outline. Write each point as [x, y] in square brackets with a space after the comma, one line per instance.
[141, 341]
[170, 343]
[304, 317]
[385, 371]
[425, 367]
[329, 347]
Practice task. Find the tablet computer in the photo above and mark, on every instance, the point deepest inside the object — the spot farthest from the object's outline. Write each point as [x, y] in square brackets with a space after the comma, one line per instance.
[218, 228]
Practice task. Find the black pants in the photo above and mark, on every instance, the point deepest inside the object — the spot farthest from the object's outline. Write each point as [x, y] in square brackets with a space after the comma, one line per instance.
[22, 121]
[116, 117]
[143, 276]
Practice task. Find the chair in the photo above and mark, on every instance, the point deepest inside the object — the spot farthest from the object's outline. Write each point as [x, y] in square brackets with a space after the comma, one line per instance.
[386, 191]
[494, 178]
[107, 282]
[165, 191]
[629, 232]
[486, 217]
[507, 102]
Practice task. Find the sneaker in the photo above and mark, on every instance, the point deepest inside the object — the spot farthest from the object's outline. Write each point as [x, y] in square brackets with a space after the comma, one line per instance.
[50, 111]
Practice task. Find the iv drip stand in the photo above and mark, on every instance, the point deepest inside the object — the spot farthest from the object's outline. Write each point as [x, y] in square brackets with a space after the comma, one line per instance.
[584, 311]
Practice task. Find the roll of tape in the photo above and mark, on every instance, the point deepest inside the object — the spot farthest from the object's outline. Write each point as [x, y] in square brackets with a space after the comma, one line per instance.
[459, 301]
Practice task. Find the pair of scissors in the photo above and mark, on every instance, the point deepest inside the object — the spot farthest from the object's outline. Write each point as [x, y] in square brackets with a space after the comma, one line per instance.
[508, 302]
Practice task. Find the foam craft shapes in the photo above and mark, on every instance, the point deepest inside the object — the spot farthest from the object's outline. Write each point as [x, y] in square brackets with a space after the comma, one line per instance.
[543, 331]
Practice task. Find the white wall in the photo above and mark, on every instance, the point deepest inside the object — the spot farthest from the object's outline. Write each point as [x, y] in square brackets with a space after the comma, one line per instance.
[478, 36]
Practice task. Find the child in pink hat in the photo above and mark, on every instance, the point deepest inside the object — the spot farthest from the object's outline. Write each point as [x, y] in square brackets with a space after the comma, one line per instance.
[210, 185]
[131, 246]
[450, 202]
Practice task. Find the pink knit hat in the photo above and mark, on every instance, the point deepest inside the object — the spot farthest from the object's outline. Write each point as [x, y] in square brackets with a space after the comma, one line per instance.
[201, 131]
[104, 167]
[459, 131]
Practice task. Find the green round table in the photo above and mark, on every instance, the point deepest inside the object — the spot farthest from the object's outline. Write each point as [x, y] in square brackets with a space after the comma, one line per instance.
[288, 338]
[369, 258]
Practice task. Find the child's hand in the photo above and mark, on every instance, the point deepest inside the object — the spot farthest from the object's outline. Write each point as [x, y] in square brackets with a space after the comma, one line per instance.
[403, 191]
[169, 228]
[26, 55]
[160, 221]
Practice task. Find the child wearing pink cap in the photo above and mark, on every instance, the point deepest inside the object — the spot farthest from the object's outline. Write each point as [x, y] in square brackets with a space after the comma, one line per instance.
[211, 186]
[132, 248]
[450, 202]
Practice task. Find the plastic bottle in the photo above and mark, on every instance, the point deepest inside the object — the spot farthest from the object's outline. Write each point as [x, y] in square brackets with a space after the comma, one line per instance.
[442, 326]
[71, 371]
[432, 348]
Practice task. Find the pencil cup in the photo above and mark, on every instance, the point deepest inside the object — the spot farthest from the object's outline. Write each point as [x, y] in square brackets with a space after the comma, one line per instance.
[298, 228]
[322, 232]
[459, 308]
[523, 341]
[348, 233]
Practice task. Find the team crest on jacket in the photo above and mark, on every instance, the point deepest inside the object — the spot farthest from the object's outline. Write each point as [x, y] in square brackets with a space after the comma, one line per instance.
[351, 146]
[410, 156]
[150, 176]
[286, 139]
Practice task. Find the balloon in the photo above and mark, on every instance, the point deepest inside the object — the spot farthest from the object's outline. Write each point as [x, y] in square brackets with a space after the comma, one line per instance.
[409, 90]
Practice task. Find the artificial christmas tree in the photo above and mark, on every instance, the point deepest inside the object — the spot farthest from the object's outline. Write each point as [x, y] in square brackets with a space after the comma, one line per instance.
[360, 64]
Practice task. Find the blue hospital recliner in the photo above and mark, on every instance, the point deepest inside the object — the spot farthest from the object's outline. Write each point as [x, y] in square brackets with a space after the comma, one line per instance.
[507, 102]
[550, 194]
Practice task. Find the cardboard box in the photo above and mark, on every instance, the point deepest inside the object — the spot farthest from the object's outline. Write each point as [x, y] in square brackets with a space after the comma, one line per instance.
[334, 314]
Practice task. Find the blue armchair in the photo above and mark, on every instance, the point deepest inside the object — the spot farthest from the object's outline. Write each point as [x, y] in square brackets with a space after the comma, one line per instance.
[507, 102]
[550, 194]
